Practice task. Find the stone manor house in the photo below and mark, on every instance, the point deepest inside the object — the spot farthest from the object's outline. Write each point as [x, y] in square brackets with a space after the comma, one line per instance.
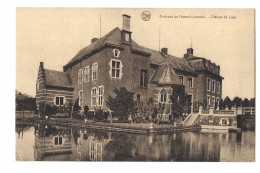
[116, 60]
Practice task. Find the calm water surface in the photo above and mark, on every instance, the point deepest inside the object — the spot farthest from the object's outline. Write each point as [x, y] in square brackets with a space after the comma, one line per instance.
[41, 143]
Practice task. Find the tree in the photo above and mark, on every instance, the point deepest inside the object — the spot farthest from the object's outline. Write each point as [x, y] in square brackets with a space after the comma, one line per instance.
[123, 104]
[86, 109]
[222, 105]
[245, 103]
[237, 101]
[25, 102]
[252, 102]
[179, 101]
[76, 106]
[227, 103]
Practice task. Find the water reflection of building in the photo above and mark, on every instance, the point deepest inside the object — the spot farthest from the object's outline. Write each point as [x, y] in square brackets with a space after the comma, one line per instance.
[52, 143]
[89, 145]
[78, 144]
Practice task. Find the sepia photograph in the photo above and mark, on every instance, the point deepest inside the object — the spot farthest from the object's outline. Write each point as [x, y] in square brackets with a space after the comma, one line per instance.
[135, 84]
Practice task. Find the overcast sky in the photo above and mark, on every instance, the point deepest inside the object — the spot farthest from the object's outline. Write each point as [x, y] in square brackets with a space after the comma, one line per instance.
[55, 35]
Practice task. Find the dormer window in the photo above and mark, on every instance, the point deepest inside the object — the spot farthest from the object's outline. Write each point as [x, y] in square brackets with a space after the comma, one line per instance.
[116, 53]
[127, 37]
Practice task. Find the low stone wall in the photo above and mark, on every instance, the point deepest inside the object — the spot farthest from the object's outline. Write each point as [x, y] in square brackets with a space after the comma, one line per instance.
[26, 114]
[139, 128]
[218, 120]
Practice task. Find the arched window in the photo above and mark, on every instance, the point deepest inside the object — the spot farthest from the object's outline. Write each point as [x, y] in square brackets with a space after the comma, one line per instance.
[163, 96]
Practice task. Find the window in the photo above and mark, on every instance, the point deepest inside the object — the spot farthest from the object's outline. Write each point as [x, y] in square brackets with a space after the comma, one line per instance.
[213, 85]
[190, 82]
[80, 76]
[115, 68]
[57, 140]
[92, 150]
[94, 71]
[213, 101]
[100, 95]
[224, 121]
[127, 37]
[218, 87]
[138, 98]
[217, 100]
[163, 96]
[181, 79]
[208, 100]
[80, 97]
[59, 101]
[94, 96]
[95, 151]
[116, 53]
[79, 145]
[208, 84]
[86, 72]
[143, 78]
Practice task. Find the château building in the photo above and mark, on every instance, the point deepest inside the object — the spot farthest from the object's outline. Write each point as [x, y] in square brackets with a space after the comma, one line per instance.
[116, 60]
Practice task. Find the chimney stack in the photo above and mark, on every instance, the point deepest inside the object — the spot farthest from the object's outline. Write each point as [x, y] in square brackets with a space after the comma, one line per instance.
[42, 65]
[126, 22]
[93, 40]
[164, 50]
[190, 51]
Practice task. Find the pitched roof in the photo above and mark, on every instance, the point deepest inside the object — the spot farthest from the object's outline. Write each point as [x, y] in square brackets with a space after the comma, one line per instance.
[57, 78]
[177, 63]
[197, 64]
[112, 38]
[165, 74]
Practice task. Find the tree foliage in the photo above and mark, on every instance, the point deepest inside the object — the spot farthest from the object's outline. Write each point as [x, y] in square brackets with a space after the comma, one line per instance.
[227, 103]
[76, 106]
[245, 103]
[180, 101]
[122, 105]
[252, 102]
[100, 114]
[25, 102]
[237, 102]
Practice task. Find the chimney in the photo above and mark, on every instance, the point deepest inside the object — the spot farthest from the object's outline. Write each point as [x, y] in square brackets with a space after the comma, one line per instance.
[126, 22]
[126, 33]
[189, 54]
[164, 50]
[93, 40]
[190, 51]
[42, 65]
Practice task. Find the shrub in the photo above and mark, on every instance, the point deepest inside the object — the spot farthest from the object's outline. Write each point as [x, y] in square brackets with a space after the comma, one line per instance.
[51, 110]
[100, 114]
[76, 107]
[86, 109]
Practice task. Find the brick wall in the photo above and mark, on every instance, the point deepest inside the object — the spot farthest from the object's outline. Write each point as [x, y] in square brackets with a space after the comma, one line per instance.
[131, 69]
[40, 91]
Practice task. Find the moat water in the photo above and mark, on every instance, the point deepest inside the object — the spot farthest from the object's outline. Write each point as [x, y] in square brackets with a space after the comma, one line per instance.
[49, 143]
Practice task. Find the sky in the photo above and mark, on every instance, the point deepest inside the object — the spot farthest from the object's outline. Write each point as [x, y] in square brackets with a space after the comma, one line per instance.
[55, 35]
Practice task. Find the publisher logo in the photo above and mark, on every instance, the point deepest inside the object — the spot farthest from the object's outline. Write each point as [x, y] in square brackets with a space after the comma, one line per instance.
[146, 15]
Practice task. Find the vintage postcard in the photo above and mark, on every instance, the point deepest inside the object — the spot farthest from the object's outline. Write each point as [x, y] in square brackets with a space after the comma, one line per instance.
[100, 84]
